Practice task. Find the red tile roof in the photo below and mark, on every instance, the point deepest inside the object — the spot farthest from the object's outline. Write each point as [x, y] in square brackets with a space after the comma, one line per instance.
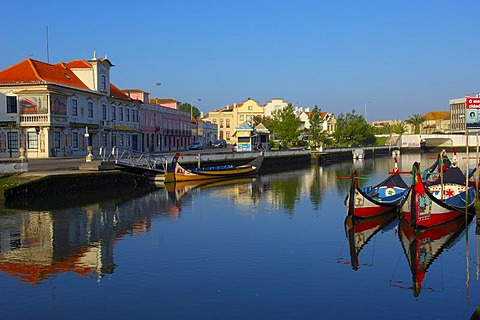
[162, 100]
[76, 64]
[34, 71]
[117, 93]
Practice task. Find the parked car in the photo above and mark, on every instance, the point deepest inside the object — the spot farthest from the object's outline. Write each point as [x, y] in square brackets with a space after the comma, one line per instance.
[220, 144]
[195, 146]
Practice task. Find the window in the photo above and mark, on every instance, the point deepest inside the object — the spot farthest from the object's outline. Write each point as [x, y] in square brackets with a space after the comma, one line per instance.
[90, 109]
[227, 123]
[104, 111]
[121, 139]
[32, 140]
[12, 140]
[105, 139]
[120, 113]
[127, 114]
[114, 113]
[241, 118]
[228, 135]
[103, 80]
[57, 140]
[127, 140]
[74, 108]
[250, 108]
[75, 140]
[11, 104]
[221, 123]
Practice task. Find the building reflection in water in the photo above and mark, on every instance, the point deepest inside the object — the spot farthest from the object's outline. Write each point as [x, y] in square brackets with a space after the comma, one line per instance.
[38, 243]
[35, 245]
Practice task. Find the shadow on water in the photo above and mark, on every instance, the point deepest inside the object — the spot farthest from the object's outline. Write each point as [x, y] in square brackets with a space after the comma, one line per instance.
[55, 202]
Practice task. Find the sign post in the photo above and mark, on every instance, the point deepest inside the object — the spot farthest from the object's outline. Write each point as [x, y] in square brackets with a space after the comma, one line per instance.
[472, 110]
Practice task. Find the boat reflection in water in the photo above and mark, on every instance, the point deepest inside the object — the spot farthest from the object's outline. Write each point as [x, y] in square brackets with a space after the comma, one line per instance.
[360, 231]
[241, 186]
[423, 246]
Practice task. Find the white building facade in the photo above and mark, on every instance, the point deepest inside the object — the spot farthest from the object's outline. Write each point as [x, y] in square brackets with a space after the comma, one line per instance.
[58, 110]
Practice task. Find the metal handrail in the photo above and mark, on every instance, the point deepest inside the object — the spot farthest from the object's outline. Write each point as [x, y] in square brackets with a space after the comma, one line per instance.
[139, 159]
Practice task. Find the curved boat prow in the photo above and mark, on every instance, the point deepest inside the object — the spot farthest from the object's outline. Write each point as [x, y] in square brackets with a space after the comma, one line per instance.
[170, 175]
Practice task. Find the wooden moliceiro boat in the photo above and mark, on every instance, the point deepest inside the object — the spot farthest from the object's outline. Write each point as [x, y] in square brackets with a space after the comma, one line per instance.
[176, 172]
[374, 200]
[438, 201]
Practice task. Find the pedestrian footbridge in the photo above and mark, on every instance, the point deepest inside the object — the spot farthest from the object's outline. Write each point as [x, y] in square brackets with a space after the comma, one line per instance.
[151, 164]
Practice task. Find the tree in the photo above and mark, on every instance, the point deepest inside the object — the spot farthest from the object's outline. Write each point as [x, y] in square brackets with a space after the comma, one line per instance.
[257, 120]
[416, 120]
[187, 106]
[353, 130]
[286, 126]
[398, 128]
[316, 128]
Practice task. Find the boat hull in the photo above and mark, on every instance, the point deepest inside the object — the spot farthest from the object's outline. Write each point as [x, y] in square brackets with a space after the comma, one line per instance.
[177, 173]
[186, 175]
[425, 210]
[372, 201]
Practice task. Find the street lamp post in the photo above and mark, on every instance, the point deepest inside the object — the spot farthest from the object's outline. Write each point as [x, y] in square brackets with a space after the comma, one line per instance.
[366, 111]
[157, 84]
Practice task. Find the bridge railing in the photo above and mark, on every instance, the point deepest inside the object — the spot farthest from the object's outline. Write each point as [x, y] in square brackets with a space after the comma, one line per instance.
[136, 159]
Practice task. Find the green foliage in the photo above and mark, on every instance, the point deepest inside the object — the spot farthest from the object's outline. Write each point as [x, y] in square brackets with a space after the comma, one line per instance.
[416, 120]
[187, 106]
[285, 126]
[257, 120]
[317, 137]
[381, 141]
[353, 130]
[398, 128]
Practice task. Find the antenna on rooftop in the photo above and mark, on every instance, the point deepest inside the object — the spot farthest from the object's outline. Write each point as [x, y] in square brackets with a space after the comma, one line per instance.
[48, 56]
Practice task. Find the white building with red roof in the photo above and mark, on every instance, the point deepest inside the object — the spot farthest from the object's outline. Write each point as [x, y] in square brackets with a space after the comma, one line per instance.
[48, 109]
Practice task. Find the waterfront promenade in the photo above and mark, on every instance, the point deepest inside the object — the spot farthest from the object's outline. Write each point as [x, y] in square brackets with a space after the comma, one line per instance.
[72, 164]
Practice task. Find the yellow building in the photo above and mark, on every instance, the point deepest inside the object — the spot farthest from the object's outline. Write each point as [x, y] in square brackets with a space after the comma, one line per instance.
[436, 121]
[234, 115]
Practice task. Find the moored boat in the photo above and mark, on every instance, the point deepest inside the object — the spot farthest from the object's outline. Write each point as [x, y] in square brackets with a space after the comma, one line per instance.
[177, 173]
[438, 201]
[363, 202]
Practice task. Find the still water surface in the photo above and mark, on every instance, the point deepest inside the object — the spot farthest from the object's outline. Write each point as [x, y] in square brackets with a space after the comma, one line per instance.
[272, 247]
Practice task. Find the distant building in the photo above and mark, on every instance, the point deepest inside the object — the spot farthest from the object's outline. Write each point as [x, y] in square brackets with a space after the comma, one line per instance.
[207, 132]
[231, 116]
[329, 122]
[457, 115]
[163, 127]
[166, 102]
[274, 104]
[435, 122]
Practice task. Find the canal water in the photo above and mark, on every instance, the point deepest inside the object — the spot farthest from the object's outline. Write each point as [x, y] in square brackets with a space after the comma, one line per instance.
[271, 247]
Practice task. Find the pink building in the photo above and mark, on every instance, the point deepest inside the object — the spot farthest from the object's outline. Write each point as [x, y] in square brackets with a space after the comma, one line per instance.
[162, 125]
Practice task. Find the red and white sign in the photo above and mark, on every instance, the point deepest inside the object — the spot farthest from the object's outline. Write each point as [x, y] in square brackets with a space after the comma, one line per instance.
[472, 102]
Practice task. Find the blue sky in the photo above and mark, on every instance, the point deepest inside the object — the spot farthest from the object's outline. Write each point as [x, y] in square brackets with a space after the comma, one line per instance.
[403, 57]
